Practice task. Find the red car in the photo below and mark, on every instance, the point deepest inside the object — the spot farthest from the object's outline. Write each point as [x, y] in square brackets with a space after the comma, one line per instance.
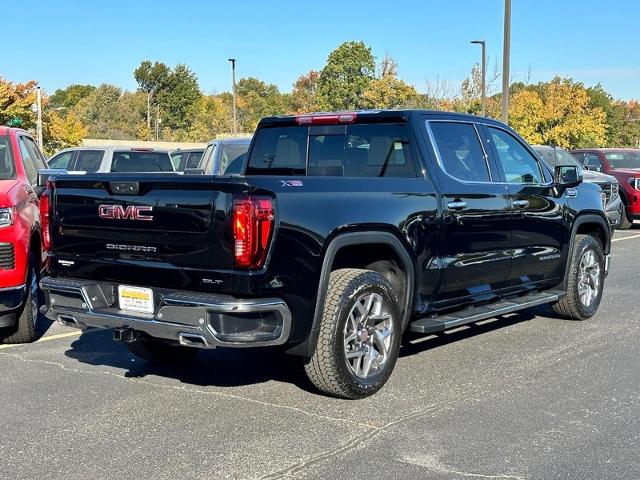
[21, 252]
[622, 163]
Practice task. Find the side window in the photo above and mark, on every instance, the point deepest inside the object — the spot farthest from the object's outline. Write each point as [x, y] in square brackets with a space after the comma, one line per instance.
[207, 160]
[89, 160]
[194, 159]
[579, 157]
[36, 154]
[460, 151]
[592, 162]
[61, 160]
[27, 160]
[518, 165]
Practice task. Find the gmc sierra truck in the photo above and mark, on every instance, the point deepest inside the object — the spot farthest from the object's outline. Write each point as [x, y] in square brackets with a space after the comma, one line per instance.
[343, 231]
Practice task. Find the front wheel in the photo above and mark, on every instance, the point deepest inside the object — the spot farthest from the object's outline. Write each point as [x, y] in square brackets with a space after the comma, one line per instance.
[25, 329]
[585, 282]
[359, 335]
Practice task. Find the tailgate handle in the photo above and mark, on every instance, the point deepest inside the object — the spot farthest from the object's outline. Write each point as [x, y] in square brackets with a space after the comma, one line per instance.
[125, 188]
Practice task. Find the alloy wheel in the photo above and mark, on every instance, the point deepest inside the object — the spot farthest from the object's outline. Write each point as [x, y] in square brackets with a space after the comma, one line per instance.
[588, 278]
[368, 336]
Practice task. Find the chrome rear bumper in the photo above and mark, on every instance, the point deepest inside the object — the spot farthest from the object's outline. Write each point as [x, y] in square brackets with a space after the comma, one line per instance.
[194, 319]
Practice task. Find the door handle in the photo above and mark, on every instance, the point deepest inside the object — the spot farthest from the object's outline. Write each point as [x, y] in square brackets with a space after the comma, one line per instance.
[521, 203]
[458, 205]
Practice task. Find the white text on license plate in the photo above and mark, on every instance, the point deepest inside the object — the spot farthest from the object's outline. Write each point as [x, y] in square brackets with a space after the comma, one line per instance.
[135, 299]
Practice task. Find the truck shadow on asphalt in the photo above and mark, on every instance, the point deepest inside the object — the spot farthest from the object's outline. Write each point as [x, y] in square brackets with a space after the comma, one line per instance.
[227, 367]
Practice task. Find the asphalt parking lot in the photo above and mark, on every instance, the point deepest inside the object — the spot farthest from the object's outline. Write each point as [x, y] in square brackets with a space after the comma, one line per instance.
[525, 396]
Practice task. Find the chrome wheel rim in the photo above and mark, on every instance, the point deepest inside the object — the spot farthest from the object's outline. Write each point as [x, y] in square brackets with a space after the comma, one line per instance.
[368, 336]
[33, 291]
[588, 278]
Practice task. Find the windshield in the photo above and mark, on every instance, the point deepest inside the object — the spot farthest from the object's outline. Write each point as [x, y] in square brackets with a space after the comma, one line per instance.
[7, 168]
[565, 158]
[141, 162]
[623, 159]
[556, 156]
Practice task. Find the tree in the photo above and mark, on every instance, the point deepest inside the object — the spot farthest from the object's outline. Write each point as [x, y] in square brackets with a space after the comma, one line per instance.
[62, 131]
[303, 96]
[16, 103]
[70, 96]
[151, 78]
[389, 92]
[558, 112]
[347, 74]
[257, 99]
[178, 98]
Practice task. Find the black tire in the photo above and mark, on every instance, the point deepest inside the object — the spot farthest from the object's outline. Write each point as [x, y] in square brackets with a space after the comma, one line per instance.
[25, 330]
[157, 351]
[571, 305]
[625, 222]
[328, 368]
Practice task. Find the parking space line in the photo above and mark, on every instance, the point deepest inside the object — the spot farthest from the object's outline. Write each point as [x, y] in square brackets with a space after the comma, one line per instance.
[44, 339]
[625, 238]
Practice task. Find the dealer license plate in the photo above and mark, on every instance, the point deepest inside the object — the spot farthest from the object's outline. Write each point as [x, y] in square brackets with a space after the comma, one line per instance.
[135, 299]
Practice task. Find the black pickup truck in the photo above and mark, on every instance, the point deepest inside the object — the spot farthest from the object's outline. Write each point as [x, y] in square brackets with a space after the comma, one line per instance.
[343, 231]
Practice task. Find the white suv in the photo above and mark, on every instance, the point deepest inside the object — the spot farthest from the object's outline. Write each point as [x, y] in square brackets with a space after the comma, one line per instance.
[112, 159]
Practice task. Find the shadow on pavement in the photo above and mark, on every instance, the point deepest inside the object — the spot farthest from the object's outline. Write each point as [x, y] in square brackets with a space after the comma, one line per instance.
[228, 367]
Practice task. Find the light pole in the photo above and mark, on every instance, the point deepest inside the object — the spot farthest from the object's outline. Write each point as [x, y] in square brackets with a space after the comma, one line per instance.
[505, 61]
[233, 77]
[482, 43]
[39, 116]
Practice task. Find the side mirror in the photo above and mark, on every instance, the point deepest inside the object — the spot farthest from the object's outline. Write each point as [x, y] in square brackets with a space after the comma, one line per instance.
[568, 176]
[45, 173]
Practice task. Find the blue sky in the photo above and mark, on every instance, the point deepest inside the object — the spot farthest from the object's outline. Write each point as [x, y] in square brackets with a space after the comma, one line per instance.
[276, 40]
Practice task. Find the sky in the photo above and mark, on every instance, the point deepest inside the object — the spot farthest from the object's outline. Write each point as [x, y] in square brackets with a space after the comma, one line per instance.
[63, 42]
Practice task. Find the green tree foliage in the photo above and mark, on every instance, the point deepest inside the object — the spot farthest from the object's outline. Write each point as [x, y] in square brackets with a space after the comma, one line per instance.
[345, 77]
[151, 78]
[257, 99]
[67, 98]
[178, 98]
[108, 112]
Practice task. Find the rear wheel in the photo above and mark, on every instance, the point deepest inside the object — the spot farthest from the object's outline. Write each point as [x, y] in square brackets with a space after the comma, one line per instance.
[359, 335]
[158, 351]
[25, 329]
[585, 282]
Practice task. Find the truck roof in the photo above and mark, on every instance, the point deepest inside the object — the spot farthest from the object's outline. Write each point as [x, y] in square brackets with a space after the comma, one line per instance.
[372, 116]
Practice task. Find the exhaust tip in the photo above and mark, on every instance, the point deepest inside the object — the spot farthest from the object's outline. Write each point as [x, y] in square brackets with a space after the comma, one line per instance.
[193, 340]
[68, 320]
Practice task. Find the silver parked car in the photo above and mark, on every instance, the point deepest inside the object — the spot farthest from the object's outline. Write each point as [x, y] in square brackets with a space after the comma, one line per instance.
[112, 159]
[555, 156]
[224, 156]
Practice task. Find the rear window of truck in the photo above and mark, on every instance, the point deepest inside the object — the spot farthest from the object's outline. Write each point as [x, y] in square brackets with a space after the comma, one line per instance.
[358, 150]
[141, 162]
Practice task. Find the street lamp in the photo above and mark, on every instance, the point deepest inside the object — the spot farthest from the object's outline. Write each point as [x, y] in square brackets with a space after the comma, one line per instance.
[233, 76]
[505, 61]
[482, 43]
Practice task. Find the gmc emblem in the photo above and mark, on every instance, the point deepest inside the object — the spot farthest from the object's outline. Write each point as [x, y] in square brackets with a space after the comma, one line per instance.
[132, 212]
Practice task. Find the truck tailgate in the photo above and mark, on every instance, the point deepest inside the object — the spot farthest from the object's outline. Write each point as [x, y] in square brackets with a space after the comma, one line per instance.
[178, 221]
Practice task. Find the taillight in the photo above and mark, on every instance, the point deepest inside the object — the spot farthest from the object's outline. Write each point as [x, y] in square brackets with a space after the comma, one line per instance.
[44, 221]
[253, 219]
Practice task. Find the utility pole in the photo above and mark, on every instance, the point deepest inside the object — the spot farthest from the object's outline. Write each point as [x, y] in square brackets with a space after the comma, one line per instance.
[505, 61]
[233, 77]
[39, 117]
[482, 43]
[157, 122]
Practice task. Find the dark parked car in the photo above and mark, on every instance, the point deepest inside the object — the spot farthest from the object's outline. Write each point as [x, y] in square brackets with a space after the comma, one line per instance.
[343, 231]
[614, 208]
[622, 163]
